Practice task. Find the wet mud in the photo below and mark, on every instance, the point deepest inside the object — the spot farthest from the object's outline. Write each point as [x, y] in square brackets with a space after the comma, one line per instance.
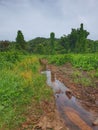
[75, 116]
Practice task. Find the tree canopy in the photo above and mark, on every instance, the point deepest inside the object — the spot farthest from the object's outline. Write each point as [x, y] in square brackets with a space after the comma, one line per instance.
[20, 39]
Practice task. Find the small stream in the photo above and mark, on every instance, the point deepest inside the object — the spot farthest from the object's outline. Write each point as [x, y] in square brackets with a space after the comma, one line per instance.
[74, 115]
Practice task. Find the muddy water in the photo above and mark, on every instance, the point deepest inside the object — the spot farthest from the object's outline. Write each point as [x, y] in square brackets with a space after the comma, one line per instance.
[74, 115]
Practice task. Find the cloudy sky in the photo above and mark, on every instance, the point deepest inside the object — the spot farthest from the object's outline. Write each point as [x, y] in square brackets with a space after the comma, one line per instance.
[37, 18]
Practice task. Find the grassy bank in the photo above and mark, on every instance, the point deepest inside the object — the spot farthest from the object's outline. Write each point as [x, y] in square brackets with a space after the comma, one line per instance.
[21, 84]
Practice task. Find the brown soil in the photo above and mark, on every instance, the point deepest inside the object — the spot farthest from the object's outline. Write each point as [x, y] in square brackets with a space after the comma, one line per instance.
[43, 116]
[51, 118]
[88, 96]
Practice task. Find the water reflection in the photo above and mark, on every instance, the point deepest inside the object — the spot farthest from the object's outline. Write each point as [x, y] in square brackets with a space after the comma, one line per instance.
[72, 112]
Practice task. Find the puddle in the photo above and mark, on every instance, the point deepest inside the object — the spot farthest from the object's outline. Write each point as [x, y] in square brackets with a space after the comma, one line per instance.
[74, 115]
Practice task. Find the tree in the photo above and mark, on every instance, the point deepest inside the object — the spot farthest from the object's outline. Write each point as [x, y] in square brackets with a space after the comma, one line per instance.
[82, 38]
[52, 40]
[20, 40]
[73, 38]
[4, 45]
[64, 42]
[76, 40]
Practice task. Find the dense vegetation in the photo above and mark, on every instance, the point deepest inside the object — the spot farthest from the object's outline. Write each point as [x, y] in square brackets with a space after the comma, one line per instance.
[20, 84]
[81, 61]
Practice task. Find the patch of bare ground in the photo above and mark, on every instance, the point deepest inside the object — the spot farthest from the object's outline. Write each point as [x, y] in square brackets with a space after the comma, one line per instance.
[43, 116]
[51, 119]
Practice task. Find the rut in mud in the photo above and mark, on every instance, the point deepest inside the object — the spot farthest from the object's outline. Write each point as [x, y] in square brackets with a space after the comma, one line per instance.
[75, 116]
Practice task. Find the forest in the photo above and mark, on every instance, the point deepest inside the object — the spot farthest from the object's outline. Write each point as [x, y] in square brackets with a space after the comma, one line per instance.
[73, 58]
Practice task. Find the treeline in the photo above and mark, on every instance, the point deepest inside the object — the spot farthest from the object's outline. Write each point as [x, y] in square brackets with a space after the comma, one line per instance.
[75, 42]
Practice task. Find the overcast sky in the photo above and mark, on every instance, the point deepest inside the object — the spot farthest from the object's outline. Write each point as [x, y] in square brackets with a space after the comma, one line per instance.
[37, 18]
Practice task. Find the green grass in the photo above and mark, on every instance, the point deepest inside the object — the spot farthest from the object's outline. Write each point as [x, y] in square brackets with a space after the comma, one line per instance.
[20, 83]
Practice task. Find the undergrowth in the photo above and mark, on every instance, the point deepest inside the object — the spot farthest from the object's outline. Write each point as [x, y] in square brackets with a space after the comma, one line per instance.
[20, 83]
[81, 61]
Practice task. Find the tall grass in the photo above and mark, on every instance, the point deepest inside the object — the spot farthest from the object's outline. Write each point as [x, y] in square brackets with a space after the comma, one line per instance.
[19, 85]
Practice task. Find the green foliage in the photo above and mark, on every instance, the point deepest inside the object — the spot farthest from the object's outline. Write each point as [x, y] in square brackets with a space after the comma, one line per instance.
[81, 61]
[52, 39]
[83, 81]
[87, 64]
[39, 45]
[20, 40]
[77, 74]
[4, 45]
[12, 96]
[58, 59]
[85, 61]
[76, 41]
[79, 78]
[96, 74]
[19, 85]
[7, 59]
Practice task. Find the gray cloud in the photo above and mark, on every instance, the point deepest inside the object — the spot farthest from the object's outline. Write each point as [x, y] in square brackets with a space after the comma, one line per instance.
[40, 17]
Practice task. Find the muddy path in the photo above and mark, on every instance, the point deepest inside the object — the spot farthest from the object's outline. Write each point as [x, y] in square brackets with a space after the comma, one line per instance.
[70, 104]
[74, 115]
[87, 96]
